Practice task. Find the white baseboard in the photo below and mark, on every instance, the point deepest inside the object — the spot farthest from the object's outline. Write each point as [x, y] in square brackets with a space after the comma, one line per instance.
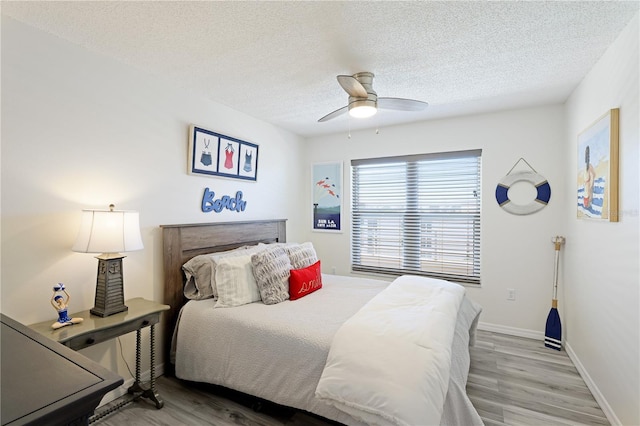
[145, 376]
[595, 391]
[512, 331]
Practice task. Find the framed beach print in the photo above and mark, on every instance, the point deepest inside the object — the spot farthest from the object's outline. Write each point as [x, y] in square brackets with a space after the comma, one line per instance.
[215, 154]
[597, 177]
[327, 196]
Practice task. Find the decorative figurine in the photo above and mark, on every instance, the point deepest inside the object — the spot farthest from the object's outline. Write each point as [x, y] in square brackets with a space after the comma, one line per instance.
[60, 304]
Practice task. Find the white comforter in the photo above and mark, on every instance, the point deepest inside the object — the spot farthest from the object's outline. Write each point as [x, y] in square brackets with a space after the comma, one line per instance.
[278, 352]
[390, 362]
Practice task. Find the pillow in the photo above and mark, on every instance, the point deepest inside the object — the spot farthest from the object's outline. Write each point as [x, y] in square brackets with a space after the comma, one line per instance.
[200, 272]
[271, 269]
[304, 281]
[301, 255]
[235, 282]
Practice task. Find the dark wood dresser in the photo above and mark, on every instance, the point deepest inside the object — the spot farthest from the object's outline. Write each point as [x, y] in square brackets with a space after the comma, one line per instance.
[45, 383]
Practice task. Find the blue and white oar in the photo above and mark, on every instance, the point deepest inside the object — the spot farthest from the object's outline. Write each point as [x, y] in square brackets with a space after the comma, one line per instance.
[553, 330]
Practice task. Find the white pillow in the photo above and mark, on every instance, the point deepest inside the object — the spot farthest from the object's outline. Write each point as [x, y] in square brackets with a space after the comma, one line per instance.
[235, 282]
[200, 272]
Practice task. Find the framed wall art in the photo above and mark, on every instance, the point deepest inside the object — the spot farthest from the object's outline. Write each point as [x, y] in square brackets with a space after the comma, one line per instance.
[327, 196]
[215, 154]
[597, 177]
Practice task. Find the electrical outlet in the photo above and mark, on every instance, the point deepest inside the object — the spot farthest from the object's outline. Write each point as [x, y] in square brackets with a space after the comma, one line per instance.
[333, 270]
[511, 294]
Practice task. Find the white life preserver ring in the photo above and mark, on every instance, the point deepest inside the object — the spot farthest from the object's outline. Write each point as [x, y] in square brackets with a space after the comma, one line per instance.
[543, 193]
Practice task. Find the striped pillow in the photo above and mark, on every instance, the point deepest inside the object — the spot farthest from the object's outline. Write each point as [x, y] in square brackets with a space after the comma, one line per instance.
[235, 282]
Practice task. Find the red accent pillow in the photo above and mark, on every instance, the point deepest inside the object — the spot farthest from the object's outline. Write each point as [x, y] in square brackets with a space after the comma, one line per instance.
[304, 281]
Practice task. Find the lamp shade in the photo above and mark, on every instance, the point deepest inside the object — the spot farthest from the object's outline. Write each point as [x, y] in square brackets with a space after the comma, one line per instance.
[108, 231]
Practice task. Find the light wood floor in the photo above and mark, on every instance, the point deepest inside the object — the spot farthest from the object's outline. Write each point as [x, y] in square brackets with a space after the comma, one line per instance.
[512, 381]
[517, 381]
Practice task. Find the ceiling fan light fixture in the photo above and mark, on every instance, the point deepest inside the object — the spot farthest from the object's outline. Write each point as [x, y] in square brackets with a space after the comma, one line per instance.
[362, 109]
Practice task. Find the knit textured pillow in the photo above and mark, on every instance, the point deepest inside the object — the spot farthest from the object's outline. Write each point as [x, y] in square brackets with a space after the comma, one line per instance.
[301, 255]
[271, 269]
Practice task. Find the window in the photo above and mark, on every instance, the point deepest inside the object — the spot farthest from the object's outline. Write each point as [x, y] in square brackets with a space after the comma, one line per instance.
[418, 215]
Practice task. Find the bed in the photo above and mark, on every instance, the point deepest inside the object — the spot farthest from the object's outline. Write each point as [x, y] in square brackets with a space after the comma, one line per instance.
[289, 352]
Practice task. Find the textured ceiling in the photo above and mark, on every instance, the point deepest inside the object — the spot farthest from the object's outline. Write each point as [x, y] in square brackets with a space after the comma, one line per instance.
[277, 61]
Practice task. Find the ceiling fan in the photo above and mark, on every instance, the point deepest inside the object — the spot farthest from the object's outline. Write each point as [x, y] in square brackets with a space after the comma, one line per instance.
[364, 101]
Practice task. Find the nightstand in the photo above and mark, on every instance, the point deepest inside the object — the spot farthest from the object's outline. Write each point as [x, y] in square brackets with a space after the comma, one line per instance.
[94, 329]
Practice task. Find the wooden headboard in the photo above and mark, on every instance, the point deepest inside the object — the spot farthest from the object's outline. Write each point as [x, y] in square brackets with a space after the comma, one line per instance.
[182, 242]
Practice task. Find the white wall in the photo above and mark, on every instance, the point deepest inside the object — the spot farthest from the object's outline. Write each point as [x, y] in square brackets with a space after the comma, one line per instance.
[516, 250]
[80, 130]
[602, 277]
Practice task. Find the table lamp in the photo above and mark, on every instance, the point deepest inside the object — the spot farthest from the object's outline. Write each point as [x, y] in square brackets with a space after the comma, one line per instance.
[109, 232]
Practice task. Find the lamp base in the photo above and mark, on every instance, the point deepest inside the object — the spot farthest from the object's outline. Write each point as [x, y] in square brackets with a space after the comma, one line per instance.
[100, 313]
[109, 298]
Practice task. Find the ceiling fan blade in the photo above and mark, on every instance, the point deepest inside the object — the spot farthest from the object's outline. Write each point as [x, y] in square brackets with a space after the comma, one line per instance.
[352, 86]
[402, 104]
[334, 114]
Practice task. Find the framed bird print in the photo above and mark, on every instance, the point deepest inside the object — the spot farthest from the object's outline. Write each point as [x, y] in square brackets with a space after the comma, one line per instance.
[327, 196]
[215, 154]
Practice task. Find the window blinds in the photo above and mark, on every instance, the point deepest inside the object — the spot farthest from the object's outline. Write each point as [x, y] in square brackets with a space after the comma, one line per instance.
[418, 214]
